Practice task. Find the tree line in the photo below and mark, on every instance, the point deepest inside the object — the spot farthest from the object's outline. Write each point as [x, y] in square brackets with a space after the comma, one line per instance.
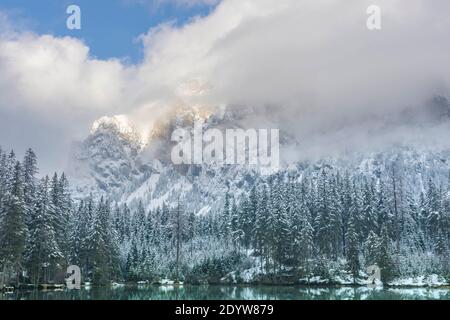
[33, 220]
[305, 224]
[352, 220]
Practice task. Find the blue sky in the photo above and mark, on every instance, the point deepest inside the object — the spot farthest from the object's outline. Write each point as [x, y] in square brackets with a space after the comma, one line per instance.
[109, 27]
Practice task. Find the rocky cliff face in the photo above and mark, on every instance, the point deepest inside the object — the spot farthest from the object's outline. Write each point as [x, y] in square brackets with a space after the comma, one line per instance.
[118, 162]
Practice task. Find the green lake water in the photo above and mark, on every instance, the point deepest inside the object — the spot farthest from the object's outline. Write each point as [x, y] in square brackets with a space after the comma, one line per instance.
[233, 293]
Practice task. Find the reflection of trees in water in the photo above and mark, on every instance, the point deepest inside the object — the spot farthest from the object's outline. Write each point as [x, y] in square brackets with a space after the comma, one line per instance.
[231, 293]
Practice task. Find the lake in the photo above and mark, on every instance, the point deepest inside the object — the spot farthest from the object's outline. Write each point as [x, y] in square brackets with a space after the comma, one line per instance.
[232, 293]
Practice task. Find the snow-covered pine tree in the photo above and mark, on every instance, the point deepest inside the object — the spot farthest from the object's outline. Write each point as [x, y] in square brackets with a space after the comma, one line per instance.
[384, 256]
[132, 263]
[148, 228]
[224, 220]
[237, 233]
[296, 215]
[3, 175]
[87, 215]
[60, 203]
[178, 230]
[103, 249]
[66, 213]
[191, 232]
[323, 221]
[353, 249]
[281, 236]
[346, 209]
[42, 252]
[261, 224]
[13, 231]
[371, 248]
[247, 217]
[75, 234]
[369, 207]
[433, 208]
[138, 223]
[306, 244]
[30, 170]
[272, 235]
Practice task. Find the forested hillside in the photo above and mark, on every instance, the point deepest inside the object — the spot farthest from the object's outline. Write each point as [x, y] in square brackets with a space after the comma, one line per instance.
[294, 226]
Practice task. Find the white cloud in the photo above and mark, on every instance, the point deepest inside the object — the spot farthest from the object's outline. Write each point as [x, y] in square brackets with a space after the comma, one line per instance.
[46, 74]
[50, 89]
[314, 60]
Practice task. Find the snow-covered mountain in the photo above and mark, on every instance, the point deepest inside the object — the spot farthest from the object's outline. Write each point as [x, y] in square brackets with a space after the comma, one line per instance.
[115, 161]
[127, 166]
[108, 158]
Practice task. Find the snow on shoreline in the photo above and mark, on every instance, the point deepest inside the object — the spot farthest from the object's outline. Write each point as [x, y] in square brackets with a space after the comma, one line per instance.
[432, 280]
[251, 276]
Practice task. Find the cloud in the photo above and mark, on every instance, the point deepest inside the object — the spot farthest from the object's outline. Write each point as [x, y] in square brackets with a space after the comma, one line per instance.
[44, 73]
[50, 89]
[312, 64]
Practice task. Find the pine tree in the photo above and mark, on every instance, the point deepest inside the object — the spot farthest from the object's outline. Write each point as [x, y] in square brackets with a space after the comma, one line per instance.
[30, 171]
[381, 207]
[384, 260]
[103, 249]
[124, 223]
[75, 234]
[148, 228]
[66, 212]
[86, 221]
[372, 248]
[237, 233]
[324, 220]
[61, 204]
[138, 223]
[3, 177]
[132, 262]
[347, 209]
[191, 231]
[296, 212]
[42, 252]
[272, 235]
[261, 224]
[225, 220]
[281, 232]
[353, 249]
[306, 244]
[13, 231]
[369, 207]
[178, 231]
[245, 222]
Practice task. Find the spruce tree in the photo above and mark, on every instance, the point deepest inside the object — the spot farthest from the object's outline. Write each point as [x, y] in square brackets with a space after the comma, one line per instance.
[306, 244]
[103, 248]
[353, 249]
[43, 254]
[261, 224]
[13, 231]
[30, 170]
[384, 260]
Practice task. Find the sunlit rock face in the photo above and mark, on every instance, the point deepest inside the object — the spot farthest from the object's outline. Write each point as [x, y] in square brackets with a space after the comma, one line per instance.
[127, 165]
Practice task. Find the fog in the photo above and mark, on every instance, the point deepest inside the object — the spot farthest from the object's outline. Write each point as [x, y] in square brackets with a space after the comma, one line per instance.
[310, 67]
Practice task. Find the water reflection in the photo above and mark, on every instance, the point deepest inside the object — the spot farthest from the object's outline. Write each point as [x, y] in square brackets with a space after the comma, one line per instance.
[231, 293]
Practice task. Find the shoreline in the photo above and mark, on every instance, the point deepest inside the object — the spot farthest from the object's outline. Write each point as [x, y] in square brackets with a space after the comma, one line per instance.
[61, 287]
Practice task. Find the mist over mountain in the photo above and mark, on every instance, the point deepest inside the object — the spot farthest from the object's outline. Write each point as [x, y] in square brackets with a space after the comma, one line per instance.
[130, 165]
[313, 66]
